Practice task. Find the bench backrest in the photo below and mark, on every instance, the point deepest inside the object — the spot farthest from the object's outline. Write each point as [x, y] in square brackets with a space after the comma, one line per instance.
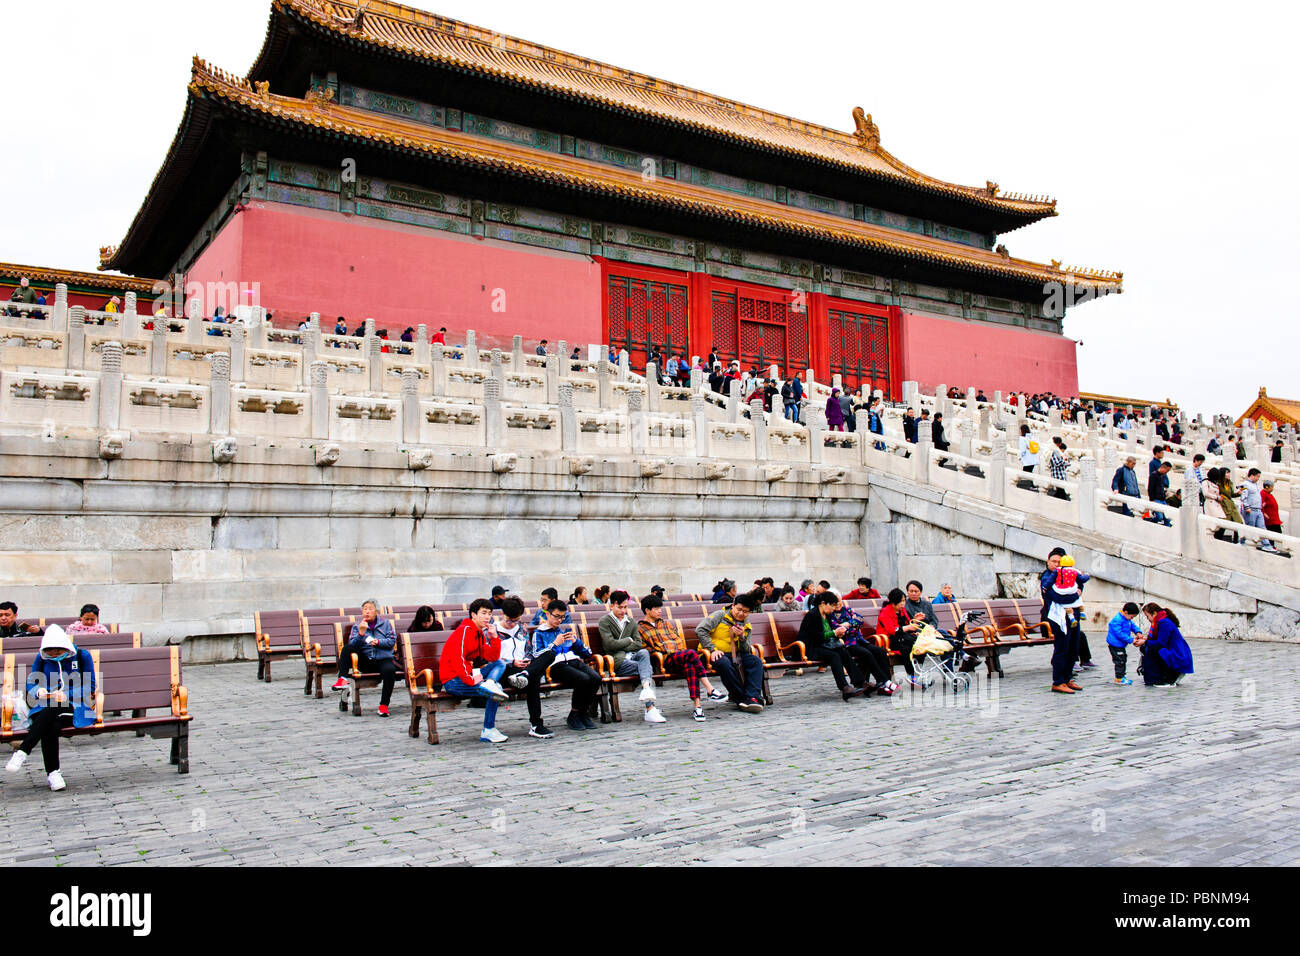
[66, 622]
[343, 630]
[278, 629]
[421, 651]
[30, 644]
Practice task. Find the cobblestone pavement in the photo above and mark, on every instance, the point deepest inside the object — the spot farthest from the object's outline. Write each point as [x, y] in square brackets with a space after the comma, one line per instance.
[1204, 774]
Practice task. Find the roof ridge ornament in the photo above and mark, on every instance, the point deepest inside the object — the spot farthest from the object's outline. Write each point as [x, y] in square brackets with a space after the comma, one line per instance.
[867, 132]
[353, 23]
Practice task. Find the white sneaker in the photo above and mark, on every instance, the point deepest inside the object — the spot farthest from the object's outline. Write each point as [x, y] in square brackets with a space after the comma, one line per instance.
[56, 781]
[519, 681]
[652, 716]
[647, 693]
[495, 689]
[16, 761]
[493, 736]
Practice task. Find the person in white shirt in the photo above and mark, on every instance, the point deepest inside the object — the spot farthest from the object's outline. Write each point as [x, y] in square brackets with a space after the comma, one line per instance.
[1028, 450]
[525, 670]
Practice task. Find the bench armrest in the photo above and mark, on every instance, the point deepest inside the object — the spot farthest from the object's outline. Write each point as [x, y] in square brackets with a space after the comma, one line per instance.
[183, 695]
[6, 715]
[427, 676]
[803, 651]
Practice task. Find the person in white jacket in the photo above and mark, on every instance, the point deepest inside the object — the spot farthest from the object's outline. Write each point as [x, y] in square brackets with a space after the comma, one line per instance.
[1028, 450]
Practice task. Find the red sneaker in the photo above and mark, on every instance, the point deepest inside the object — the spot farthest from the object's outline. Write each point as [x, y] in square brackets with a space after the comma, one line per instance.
[383, 710]
[339, 684]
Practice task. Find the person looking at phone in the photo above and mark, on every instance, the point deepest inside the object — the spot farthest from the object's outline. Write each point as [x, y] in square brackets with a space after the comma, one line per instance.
[570, 668]
[61, 687]
[524, 670]
[724, 637]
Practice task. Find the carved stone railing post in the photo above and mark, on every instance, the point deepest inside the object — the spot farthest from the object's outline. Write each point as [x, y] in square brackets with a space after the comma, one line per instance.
[311, 347]
[910, 392]
[194, 322]
[410, 406]
[604, 379]
[238, 352]
[837, 381]
[421, 352]
[999, 416]
[624, 366]
[320, 401]
[652, 403]
[997, 470]
[638, 427]
[552, 377]
[493, 420]
[1054, 417]
[375, 361]
[158, 347]
[562, 352]
[697, 379]
[965, 435]
[60, 318]
[471, 348]
[497, 369]
[700, 418]
[74, 356]
[517, 354]
[568, 418]
[985, 423]
[733, 401]
[1189, 527]
[437, 370]
[259, 327]
[130, 319]
[110, 386]
[941, 402]
[1087, 496]
[924, 442]
[219, 406]
[1293, 519]
[972, 403]
[758, 422]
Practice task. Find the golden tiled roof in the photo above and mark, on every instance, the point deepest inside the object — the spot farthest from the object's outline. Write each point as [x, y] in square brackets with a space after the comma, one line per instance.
[71, 277]
[576, 173]
[1120, 402]
[425, 35]
[1284, 411]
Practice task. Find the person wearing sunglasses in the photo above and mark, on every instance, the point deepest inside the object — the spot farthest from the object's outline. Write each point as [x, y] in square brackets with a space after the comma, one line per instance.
[61, 689]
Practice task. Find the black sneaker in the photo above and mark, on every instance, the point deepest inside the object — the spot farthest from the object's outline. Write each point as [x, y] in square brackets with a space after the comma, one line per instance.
[587, 722]
[698, 714]
[752, 706]
[541, 731]
[574, 722]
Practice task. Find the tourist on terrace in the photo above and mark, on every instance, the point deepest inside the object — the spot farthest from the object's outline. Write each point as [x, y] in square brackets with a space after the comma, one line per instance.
[823, 643]
[863, 591]
[524, 670]
[1272, 519]
[61, 687]
[1157, 458]
[541, 347]
[556, 633]
[909, 426]
[1028, 450]
[1212, 499]
[724, 636]
[1158, 492]
[834, 412]
[896, 625]
[1277, 452]
[1213, 447]
[10, 626]
[619, 636]
[847, 410]
[871, 658]
[87, 621]
[805, 592]
[408, 335]
[470, 665]
[1252, 508]
[1166, 658]
[663, 637]
[439, 337]
[876, 421]
[936, 435]
[1125, 482]
[576, 358]
[768, 588]
[1228, 495]
[372, 640]
[1057, 465]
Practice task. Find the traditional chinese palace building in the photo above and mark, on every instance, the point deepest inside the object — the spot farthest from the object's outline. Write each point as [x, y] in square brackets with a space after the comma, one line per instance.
[381, 161]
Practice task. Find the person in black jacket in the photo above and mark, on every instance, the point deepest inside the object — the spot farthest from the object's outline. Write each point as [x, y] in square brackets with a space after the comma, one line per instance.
[936, 432]
[824, 643]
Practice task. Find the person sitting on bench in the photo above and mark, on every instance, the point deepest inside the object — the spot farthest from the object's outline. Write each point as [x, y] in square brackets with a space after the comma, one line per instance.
[663, 638]
[570, 667]
[61, 687]
[470, 664]
[619, 636]
[10, 626]
[372, 640]
[524, 670]
[897, 625]
[88, 622]
[724, 636]
[872, 659]
[823, 643]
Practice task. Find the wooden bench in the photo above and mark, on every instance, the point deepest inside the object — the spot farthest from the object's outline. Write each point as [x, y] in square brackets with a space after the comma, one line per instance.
[420, 655]
[67, 622]
[319, 650]
[277, 634]
[138, 680]
[30, 644]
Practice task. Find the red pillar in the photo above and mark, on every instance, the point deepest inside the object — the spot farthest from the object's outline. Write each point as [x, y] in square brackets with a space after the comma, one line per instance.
[819, 335]
[700, 316]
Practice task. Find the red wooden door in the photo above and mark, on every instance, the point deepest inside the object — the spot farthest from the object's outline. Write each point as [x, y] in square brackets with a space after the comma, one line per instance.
[859, 347]
[761, 327]
[645, 313]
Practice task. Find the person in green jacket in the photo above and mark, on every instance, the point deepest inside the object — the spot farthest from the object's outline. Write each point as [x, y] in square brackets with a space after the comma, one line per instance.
[619, 637]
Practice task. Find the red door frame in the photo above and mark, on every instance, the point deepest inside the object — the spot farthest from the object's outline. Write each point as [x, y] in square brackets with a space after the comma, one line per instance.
[610, 267]
[893, 315]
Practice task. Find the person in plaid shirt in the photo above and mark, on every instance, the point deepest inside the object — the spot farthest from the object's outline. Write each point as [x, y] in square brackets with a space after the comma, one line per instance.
[662, 637]
[1057, 465]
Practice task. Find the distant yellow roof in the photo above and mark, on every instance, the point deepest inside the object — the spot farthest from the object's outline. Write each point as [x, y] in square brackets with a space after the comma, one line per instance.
[1121, 402]
[429, 36]
[95, 280]
[1270, 410]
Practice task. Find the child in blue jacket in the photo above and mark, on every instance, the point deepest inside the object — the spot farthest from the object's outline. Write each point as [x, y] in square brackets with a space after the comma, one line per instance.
[1119, 636]
[61, 690]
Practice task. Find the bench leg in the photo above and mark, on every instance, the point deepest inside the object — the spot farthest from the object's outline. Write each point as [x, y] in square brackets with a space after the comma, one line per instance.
[414, 729]
[356, 699]
[140, 733]
[319, 691]
[616, 712]
[431, 719]
[261, 665]
[267, 670]
[182, 744]
[306, 688]
[767, 689]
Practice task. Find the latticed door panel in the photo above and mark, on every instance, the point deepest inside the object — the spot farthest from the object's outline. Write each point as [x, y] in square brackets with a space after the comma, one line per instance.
[644, 315]
[724, 324]
[859, 349]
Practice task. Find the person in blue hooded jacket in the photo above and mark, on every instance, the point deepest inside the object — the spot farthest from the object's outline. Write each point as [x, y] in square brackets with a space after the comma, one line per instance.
[1166, 658]
[61, 687]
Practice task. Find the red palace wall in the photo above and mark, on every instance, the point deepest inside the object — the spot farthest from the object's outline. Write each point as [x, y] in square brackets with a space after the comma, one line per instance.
[311, 261]
[941, 351]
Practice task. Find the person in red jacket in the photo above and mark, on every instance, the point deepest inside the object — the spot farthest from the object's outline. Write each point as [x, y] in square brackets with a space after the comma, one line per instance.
[863, 591]
[896, 624]
[470, 665]
[1272, 520]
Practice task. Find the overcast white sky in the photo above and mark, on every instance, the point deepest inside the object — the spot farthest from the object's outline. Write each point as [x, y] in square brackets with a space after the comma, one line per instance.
[1166, 132]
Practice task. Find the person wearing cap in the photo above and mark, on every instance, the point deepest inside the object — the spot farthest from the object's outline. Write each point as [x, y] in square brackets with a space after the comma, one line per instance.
[61, 688]
[498, 596]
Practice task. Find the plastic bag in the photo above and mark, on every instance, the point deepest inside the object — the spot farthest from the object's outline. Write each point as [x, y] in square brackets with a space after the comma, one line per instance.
[16, 703]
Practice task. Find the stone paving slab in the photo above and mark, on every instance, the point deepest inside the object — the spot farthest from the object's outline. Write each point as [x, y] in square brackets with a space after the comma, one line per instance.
[1204, 774]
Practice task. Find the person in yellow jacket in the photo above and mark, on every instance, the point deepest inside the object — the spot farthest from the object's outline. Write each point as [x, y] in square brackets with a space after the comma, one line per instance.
[724, 636]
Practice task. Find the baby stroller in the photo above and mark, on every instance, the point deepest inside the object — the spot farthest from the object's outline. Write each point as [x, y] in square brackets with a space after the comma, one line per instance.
[934, 655]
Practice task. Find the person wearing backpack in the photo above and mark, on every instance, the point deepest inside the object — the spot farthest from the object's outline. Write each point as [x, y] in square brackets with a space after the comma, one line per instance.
[61, 688]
